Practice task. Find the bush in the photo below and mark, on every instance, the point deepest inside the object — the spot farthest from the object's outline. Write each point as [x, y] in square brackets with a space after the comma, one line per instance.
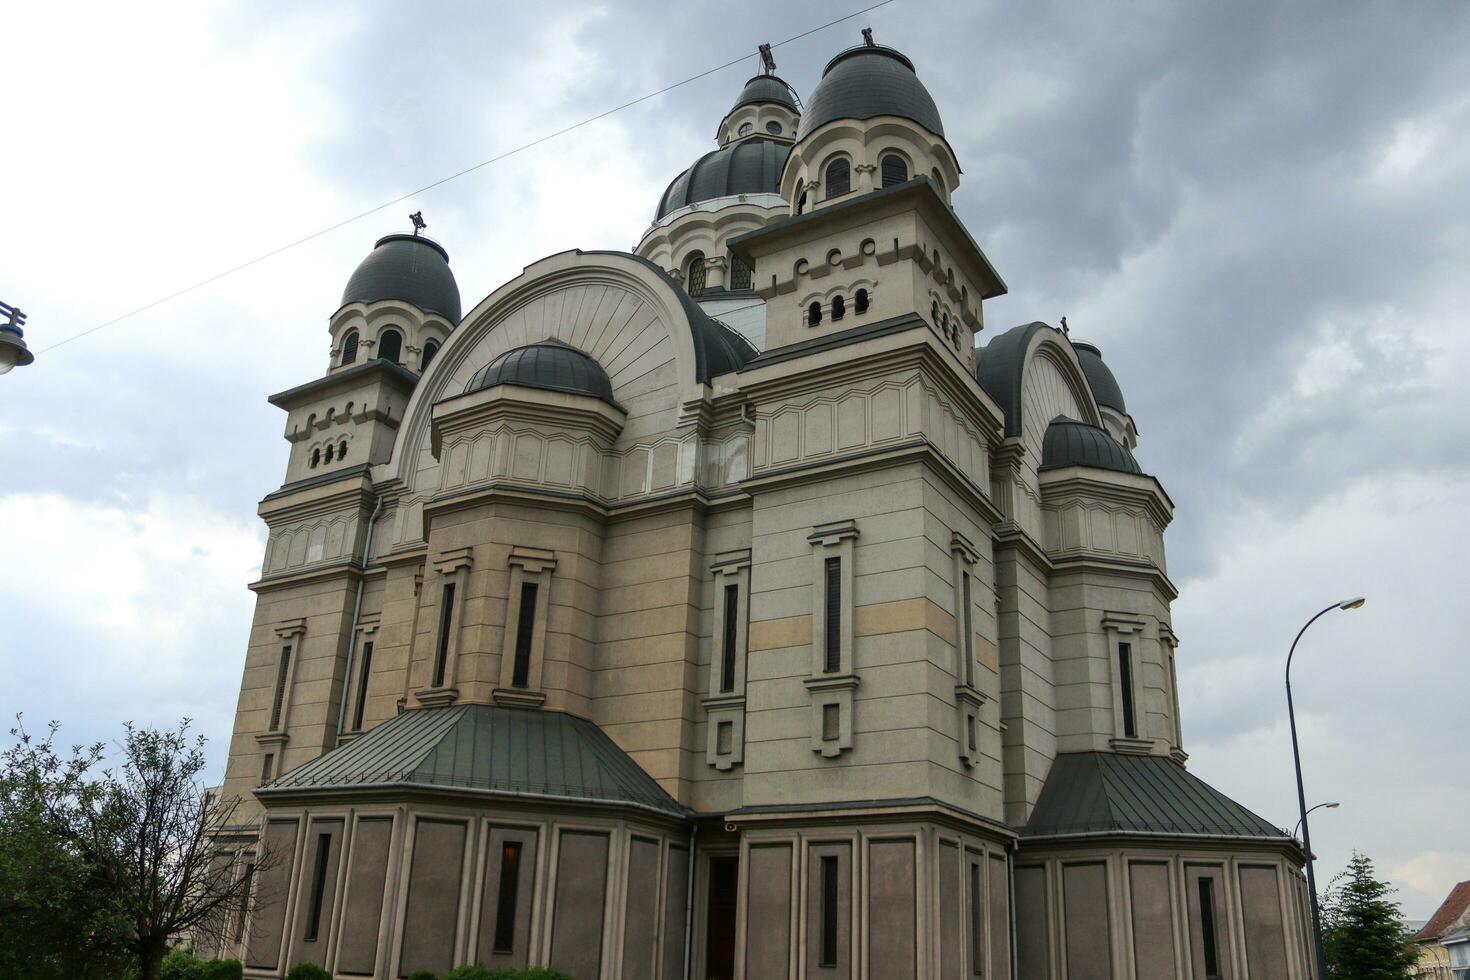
[476, 972]
[180, 964]
[422, 975]
[222, 970]
[479, 972]
[308, 971]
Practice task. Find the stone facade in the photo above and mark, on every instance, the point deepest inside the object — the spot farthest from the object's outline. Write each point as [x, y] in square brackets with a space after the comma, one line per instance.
[828, 594]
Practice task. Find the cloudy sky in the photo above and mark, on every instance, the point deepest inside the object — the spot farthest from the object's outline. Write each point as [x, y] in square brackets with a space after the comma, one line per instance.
[1259, 212]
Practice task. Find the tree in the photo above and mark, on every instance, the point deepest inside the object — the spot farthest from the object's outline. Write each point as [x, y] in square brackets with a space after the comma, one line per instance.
[144, 841]
[1363, 933]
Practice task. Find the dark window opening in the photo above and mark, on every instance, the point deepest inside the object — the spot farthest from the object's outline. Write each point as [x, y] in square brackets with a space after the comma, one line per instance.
[281, 671]
[316, 457]
[801, 202]
[838, 177]
[330, 450]
[938, 180]
[349, 347]
[746, 129]
[860, 302]
[1208, 939]
[362, 685]
[814, 314]
[430, 349]
[724, 738]
[446, 621]
[970, 732]
[833, 660]
[505, 901]
[267, 766]
[719, 932]
[969, 630]
[741, 273]
[977, 930]
[525, 629]
[247, 885]
[829, 911]
[773, 127]
[1125, 681]
[390, 346]
[727, 653]
[831, 722]
[318, 887]
[934, 312]
[694, 277]
[342, 449]
[895, 169]
[839, 307]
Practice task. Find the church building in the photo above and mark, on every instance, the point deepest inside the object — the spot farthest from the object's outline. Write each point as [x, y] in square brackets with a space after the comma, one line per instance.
[741, 606]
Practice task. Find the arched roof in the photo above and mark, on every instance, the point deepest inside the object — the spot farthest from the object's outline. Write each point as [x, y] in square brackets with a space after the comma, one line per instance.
[748, 166]
[1105, 388]
[409, 268]
[864, 82]
[766, 89]
[549, 365]
[1072, 443]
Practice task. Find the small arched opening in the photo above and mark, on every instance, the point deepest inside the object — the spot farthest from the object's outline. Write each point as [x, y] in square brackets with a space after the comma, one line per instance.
[814, 314]
[390, 346]
[349, 347]
[694, 273]
[838, 177]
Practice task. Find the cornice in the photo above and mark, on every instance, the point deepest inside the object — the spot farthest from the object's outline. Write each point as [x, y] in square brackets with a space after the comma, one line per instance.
[1110, 565]
[345, 568]
[1090, 483]
[317, 501]
[348, 379]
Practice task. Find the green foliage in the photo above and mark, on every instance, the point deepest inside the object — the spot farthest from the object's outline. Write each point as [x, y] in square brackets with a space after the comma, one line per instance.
[1363, 933]
[422, 975]
[480, 972]
[308, 971]
[222, 970]
[181, 964]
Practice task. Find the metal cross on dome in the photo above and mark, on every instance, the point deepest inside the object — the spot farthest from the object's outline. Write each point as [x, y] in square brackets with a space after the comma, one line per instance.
[868, 37]
[418, 222]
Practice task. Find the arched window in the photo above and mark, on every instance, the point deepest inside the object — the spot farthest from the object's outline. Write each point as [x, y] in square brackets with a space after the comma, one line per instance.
[746, 129]
[800, 198]
[860, 302]
[349, 347]
[814, 314]
[934, 312]
[944, 325]
[694, 274]
[316, 458]
[895, 169]
[938, 180]
[839, 308]
[390, 346]
[838, 177]
[342, 449]
[330, 447]
[430, 349]
[773, 127]
[740, 273]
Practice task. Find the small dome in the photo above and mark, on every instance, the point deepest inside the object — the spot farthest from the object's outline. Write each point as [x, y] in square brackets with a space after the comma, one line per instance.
[1072, 443]
[763, 89]
[864, 82]
[1105, 389]
[549, 365]
[749, 166]
[407, 268]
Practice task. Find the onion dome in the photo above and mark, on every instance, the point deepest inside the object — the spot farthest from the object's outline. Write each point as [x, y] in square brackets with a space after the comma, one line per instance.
[408, 268]
[864, 82]
[1105, 389]
[549, 365]
[749, 166]
[766, 89]
[1072, 443]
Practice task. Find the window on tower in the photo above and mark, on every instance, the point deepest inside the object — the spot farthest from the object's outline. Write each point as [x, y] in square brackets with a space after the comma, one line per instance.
[390, 346]
[349, 347]
[895, 169]
[694, 274]
[430, 349]
[740, 273]
[838, 177]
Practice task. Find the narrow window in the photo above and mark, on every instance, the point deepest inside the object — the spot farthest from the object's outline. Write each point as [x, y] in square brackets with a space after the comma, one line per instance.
[839, 307]
[801, 202]
[694, 275]
[430, 349]
[727, 652]
[977, 931]
[860, 302]
[741, 273]
[362, 685]
[1125, 681]
[724, 737]
[390, 346]
[267, 766]
[446, 616]
[938, 180]
[833, 662]
[525, 628]
[247, 884]
[330, 449]
[318, 887]
[895, 169]
[970, 732]
[349, 347]
[814, 314]
[838, 178]
[342, 449]
[505, 902]
[831, 722]
[1208, 939]
[969, 632]
[281, 670]
[316, 457]
[829, 911]
[934, 312]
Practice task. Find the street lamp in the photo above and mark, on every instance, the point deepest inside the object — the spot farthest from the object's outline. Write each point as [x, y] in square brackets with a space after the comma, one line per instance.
[1319, 806]
[13, 350]
[1301, 793]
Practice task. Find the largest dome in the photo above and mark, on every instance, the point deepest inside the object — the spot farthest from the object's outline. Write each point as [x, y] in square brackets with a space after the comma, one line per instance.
[749, 166]
[407, 268]
[864, 82]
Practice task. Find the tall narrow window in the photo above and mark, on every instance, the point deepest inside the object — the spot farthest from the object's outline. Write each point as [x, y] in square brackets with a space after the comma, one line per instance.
[969, 629]
[342, 449]
[282, 670]
[267, 767]
[430, 349]
[390, 346]
[833, 646]
[801, 202]
[741, 273]
[247, 885]
[977, 927]
[349, 347]
[860, 302]
[895, 169]
[505, 901]
[814, 314]
[318, 887]
[838, 178]
[525, 629]
[694, 276]
[1125, 681]
[446, 617]
[727, 651]
[331, 450]
[829, 911]
[839, 307]
[316, 456]
[362, 685]
[1208, 940]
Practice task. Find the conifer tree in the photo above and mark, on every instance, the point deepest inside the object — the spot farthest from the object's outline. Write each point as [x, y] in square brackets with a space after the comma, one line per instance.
[1363, 933]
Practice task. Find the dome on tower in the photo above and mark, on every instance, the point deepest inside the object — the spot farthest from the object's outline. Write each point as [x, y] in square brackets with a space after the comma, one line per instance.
[750, 166]
[766, 89]
[869, 81]
[1105, 388]
[409, 268]
[1071, 443]
[549, 365]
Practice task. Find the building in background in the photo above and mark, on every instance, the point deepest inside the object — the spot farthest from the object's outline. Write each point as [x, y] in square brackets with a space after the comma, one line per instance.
[723, 609]
[1434, 942]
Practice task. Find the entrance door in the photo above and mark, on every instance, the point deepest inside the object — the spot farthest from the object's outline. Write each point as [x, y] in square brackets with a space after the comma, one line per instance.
[719, 927]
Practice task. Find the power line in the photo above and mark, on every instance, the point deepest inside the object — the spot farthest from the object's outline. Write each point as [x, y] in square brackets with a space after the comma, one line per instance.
[444, 180]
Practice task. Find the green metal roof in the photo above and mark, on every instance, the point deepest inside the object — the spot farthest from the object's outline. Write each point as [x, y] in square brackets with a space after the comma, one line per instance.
[489, 749]
[1107, 793]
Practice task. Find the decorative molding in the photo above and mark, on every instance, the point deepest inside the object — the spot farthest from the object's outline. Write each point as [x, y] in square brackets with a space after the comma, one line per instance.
[514, 697]
[1132, 746]
[828, 535]
[291, 628]
[533, 560]
[453, 559]
[436, 697]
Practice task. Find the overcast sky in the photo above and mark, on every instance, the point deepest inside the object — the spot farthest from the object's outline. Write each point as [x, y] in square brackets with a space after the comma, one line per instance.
[1260, 213]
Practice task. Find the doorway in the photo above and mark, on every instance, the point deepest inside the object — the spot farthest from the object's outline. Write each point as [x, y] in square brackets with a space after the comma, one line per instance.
[719, 926]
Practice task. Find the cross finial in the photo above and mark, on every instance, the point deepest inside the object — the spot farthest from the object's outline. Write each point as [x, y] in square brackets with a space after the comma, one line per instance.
[1067, 331]
[868, 37]
[767, 59]
[418, 222]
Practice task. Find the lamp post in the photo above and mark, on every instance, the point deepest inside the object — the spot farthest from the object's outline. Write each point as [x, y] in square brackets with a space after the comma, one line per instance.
[1301, 793]
[13, 349]
[1319, 806]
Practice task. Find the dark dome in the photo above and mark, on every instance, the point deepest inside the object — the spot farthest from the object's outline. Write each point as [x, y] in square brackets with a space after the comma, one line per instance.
[750, 166]
[864, 82]
[1100, 379]
[766, 88]
[550, 365]
[408, 268]
[1072, 443]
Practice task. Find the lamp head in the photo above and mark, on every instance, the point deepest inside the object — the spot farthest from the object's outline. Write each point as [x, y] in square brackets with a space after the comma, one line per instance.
[1332, 806]
[1354, 603]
